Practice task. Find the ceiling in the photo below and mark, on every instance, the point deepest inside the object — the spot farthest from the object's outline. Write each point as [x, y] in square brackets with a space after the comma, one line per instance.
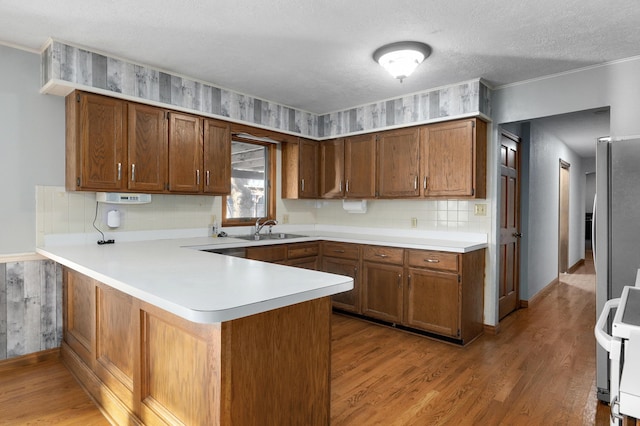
[579, 130]
[315, 55]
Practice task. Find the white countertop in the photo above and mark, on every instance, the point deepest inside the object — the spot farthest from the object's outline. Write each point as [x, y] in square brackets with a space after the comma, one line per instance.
[175, 275]
[198, 286]
[403, 241]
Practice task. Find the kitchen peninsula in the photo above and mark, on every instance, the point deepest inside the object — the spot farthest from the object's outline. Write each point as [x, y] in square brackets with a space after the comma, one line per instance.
[158, 333]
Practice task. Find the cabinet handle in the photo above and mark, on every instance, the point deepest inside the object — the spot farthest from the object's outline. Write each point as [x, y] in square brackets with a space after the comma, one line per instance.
[382, 255]
[415, 183]
[347, 185]
[424, 183]
[340, 188]
[208, 178]
[133, 173]
[399, 280]
[198, 177]
[119, 171]
[338, 251]
[409, 281]
[302, 185]
[432, 260]
[355, 272]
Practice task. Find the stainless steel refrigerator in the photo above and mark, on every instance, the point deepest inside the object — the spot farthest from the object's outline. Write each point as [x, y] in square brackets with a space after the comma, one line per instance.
[617, 229]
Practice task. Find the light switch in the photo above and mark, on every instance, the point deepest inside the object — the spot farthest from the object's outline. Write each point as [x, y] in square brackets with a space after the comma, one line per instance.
[480, 210]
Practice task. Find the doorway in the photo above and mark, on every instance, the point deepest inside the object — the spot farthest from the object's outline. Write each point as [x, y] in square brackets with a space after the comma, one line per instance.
[563, 218]
[509, 276]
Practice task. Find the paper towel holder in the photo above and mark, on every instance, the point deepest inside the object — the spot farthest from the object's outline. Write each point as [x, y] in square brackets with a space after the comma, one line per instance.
[354, 206]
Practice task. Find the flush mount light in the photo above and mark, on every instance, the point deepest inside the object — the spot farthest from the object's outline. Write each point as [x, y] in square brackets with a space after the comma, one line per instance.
[400, 59]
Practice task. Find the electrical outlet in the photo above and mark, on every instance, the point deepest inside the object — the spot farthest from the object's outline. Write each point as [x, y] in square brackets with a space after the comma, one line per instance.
[480, 210]
[414, 222]
[285, 218]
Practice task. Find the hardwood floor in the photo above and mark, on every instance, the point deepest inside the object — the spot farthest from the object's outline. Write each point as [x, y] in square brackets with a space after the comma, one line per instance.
[45, 393]
[540, 370]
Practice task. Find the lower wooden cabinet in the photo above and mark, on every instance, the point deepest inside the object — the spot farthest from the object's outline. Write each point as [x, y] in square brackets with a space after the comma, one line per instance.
[301, 255]
[445, 293]
[348, 300]
[144, 365]
[432, 301]
[382, 291]
[441, 293]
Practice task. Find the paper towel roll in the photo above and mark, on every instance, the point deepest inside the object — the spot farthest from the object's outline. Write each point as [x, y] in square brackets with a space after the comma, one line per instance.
[113, 219]
[355, 206]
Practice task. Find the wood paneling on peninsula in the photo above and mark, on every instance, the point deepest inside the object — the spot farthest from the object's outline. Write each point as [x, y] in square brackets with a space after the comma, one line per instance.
[143, 364]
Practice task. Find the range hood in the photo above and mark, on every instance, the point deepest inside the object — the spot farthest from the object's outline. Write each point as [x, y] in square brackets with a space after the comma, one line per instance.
[122, 198]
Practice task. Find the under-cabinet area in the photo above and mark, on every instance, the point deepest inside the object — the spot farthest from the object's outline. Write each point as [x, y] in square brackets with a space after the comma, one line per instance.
[118, 145]
[435, 292]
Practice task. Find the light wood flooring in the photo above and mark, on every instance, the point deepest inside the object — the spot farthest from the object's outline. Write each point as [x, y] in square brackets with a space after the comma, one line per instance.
[539, 370]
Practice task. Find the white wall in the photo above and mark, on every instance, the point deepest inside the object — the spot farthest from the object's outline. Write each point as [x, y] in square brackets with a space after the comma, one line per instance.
[615, 85]
[31, 147]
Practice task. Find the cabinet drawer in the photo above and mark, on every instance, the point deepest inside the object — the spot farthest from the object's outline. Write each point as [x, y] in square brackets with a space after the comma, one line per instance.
[267, 253]
[433, 260]
[298, 250]
[341, 250]
[383, 254]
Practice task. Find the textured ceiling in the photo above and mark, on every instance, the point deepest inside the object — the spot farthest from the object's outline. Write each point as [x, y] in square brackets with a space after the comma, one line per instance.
[315, 55]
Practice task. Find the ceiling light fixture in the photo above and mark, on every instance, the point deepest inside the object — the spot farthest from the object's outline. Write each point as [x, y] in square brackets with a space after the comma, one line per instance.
[400, 59]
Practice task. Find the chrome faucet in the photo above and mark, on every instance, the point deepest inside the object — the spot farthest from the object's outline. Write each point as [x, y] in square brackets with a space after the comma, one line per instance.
[259, 226]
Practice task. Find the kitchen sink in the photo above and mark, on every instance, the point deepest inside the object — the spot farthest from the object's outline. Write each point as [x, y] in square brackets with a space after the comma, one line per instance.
[272, 236]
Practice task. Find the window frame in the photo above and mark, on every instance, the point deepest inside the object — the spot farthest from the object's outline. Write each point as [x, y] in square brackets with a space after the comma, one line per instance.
[270, 192]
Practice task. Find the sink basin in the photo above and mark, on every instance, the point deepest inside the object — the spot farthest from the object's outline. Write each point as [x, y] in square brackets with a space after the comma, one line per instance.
[273, 236]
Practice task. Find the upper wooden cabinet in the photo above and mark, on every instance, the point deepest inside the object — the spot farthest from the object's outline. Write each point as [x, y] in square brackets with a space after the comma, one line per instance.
[348, 167]
[217, 157]
[453, 159]
[185, 153]
[115, 145]
[398, 160]
[147, 148]
[300, 169]
[360, 166]
[332, 168]
[95, 142]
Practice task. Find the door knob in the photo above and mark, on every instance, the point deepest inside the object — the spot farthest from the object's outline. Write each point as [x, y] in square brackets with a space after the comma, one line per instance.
[517, 234]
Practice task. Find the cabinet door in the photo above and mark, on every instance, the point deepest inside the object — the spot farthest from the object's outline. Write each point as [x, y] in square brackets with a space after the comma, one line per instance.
[304, 262]
[360, 166]
[348, 300]
[101, 142]
[448, 159]
[217, 157]
[398, 155]
[147, 148]
[433, 301]
[185, 153]
[308, 168]
[382, 291]
[332, 168]
[274, 253]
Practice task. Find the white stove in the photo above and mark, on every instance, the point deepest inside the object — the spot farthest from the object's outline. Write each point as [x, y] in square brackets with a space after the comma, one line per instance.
[623, 346]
